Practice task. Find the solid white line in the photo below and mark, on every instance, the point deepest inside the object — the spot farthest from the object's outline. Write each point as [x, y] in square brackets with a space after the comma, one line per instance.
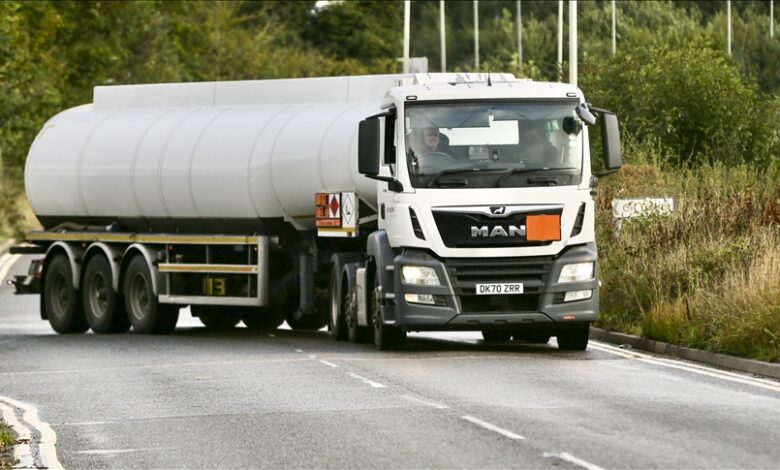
[688, 364]
[365, 380]
[493, 428]
[438, 406]
[4, 268]
[4, 259]
[572, 459]
[701, 370]
[329, 364]
[87, 423]
[121, 451]
[47, 446]
[22, 451]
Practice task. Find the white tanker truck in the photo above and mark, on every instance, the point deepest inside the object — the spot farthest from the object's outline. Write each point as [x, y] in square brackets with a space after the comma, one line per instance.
[377, 205]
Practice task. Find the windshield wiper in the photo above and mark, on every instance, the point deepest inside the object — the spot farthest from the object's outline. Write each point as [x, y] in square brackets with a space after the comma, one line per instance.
[451, 171]
[517, 171]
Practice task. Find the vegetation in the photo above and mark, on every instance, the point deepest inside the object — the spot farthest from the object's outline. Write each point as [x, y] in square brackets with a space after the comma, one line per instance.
[698, 125]
[7, 440]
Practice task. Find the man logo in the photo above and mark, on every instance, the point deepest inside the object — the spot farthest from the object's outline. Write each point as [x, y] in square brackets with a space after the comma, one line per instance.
[497, 231]
[498, 210]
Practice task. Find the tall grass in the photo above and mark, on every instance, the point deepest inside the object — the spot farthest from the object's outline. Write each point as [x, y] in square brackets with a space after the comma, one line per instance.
[707, 275]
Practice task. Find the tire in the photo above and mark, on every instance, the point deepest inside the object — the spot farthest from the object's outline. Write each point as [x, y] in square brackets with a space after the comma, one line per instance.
[215, 318]
[61, 299]
[336, 322]
[574, 339]
[259, 319]
[386, 337]
[496, 336]
[532, 337]
[104, 309]
[146, 313]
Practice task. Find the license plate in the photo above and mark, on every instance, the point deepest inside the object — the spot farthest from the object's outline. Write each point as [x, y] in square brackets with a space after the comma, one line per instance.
[501, 288]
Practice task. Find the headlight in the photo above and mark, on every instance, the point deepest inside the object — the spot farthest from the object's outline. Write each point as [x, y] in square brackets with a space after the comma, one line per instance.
[420, 276]
[576, 272]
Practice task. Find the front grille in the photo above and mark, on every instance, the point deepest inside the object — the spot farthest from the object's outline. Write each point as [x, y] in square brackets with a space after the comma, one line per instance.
[466, 273]
[455, 229]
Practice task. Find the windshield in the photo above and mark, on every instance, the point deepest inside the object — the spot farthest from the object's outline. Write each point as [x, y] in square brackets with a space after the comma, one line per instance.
[489, 144]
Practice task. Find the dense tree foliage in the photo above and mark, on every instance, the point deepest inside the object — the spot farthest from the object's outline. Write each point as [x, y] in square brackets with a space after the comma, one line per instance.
[671, 81]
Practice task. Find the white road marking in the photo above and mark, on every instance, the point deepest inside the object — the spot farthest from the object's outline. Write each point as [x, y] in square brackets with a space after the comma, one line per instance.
[6, 266]
[312, 356]
[492, 427]
[47, 446]
[299, 350]
[329, 364]
[696, 369]
[572, 459]
[438, 406]
[22, 452]
[121, 451]
[366, 381]
[687, 363]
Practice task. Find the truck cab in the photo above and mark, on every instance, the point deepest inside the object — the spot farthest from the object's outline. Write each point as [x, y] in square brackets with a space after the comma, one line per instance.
[485, 211]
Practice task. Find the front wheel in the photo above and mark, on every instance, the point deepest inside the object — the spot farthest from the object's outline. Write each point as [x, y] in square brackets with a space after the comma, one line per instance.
[574, 339]
[386, 337]
[146, 313]
[336, 321]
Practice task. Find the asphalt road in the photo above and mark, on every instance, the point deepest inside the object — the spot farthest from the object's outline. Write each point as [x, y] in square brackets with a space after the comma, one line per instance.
[197, 399]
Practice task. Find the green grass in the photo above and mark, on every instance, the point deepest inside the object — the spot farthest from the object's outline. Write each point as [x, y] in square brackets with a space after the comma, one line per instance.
[706, 276]
[6, 441]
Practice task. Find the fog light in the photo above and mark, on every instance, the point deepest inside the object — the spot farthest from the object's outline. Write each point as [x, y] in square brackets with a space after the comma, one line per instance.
[420, 299]
[577, 295]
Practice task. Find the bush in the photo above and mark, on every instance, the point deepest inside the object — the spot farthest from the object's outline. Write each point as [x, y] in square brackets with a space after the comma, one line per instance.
[692, 101]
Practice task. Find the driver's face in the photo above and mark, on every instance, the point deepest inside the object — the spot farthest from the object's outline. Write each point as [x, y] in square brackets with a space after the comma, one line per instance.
[431, 139]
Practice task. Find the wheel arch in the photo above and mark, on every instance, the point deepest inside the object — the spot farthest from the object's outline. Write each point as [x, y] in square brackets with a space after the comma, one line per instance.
[74, 254]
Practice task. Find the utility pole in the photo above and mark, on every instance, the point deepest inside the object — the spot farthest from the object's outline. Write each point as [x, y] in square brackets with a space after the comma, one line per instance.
[728, 15]
[476, 35]
[573, 42]
[560, 40]
[519, 36]
[614, 24]
[407, 18]
[442, 37]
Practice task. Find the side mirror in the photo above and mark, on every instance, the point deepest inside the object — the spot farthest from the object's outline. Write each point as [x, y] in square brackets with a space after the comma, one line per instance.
[610, 138]
[369, 147]
[584, 113]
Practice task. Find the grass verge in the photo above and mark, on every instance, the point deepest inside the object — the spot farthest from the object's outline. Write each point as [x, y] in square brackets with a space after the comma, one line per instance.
[706, 276]
[7, 440]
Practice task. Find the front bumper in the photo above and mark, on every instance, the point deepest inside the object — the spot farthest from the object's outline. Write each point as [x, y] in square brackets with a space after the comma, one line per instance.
[458, 307]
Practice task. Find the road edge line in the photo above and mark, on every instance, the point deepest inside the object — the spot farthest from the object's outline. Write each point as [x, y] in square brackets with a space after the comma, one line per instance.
[5, 246]
[725, 361]
[22, 452]
[47, 445]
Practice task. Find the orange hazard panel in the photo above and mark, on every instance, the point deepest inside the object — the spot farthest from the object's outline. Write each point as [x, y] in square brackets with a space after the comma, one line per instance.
[543, 228]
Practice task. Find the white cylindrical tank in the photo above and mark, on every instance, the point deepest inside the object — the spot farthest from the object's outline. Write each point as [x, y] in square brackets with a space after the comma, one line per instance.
[216, 156]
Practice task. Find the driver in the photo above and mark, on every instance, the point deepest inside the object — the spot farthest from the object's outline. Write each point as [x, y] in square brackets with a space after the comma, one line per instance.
[427, 141]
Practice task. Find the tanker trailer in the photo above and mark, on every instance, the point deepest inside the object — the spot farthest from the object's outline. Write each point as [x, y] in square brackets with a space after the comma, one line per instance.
[377, 205]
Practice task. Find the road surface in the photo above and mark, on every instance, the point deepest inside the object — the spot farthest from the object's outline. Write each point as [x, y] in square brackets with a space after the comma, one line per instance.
[197, 399]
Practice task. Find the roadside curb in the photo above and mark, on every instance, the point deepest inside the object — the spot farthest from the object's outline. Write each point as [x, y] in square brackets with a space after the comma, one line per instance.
[725, 361]
[5, 246]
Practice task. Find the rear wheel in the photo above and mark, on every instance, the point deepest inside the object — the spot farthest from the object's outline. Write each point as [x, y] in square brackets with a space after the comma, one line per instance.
[336, 321]
[104, 309]
[496, 336]
[61, 299]
[386, 337]
[215, 318]
[574, 339]
[146, 313]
